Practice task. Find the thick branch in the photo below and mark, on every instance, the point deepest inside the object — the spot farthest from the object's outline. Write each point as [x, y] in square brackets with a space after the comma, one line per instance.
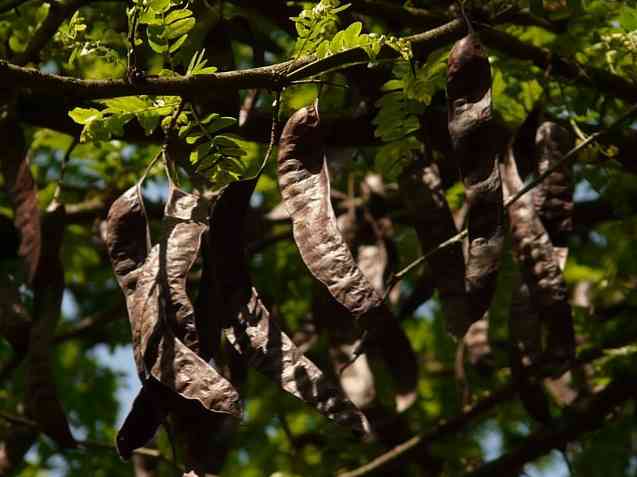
[591, 416]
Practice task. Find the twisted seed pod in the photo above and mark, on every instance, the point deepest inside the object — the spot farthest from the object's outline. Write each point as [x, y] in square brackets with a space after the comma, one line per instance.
[305, 187]
[476, 143]
[247, 324]
[22, 193]
[553, 198]
[154, 287]
[421, 191]
[534, 251]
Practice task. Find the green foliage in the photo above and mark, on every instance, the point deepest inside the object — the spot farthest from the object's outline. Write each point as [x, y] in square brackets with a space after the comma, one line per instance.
[167, 23]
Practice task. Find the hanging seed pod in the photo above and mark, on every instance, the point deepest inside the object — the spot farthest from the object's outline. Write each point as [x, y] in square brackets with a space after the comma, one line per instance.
[540, 271]
[476, 143]
[305, 188]
[423, 195]
[553, 198]
[525, 336]
[247, 323]
[23, 194]
[150, 287]
[43, 403]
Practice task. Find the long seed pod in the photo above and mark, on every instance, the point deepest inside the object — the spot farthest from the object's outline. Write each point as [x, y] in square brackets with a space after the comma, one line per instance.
[423, 195]
[305, 188]
[23, 194]
[525, 337]
[553, 198]
[477, 143]
[247, 323]
[159, 354]
[534, 251]
[42, 398]
[355, 376]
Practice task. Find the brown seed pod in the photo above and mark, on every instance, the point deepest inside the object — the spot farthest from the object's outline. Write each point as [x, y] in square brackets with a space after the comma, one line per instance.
[185, 221]
[553, 198]
[23, 194]
[534, 251]
[247, 323]
[423, 195]
[477, 142]
[305, 188]
[150, 286]
[43, 403]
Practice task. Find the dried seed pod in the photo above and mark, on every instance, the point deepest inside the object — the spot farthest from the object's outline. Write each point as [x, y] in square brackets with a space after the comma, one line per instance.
[23, 194]
[553, 198]
[541, 272]
[48, 287]
[423, 195]
[247, 323]
[305, 188]
[150, 286]
[477, 142]
[185, 221]
[525, 335]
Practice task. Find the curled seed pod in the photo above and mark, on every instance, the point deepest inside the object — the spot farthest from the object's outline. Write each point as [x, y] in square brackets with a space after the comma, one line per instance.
[423, 195]
[305, 187]
[534, 251]
[553, 198]
[43, 403]
[150, 287]
[185, 221]
[247, 323]
[525, 335]
[476, 142]
[23, 194]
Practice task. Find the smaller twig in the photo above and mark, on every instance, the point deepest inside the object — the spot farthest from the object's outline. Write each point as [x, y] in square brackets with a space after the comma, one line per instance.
[321, 82]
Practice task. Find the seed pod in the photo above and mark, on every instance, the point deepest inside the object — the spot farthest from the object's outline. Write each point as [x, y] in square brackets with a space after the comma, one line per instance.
[247, 323]
[185, 221]
[553, 198]
[305, 188]
[525, 335]
[150, 286]
[423, 195]
[48, 287]
[541, 272]
[476, 143]
[23, 194]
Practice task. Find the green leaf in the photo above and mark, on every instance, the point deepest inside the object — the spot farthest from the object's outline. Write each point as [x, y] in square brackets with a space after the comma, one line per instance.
[220, 123]
[177, 44]
[149, 120]
[177, 15]
[128, 104]
[159, 6]
[84, 115]
[179, 28]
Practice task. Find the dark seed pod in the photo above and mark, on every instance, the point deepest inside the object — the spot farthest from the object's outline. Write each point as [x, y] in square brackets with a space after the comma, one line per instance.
[23, 194]
[43, 403]
[154, 287]
[533, 249]
[423, 195]
[553, 198]
[477, 142]
[248, 325]
[305, 188]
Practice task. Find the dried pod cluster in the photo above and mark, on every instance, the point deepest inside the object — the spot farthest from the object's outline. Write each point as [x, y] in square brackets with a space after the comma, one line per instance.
[477, 145]
[305, 187]
[173, 339]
